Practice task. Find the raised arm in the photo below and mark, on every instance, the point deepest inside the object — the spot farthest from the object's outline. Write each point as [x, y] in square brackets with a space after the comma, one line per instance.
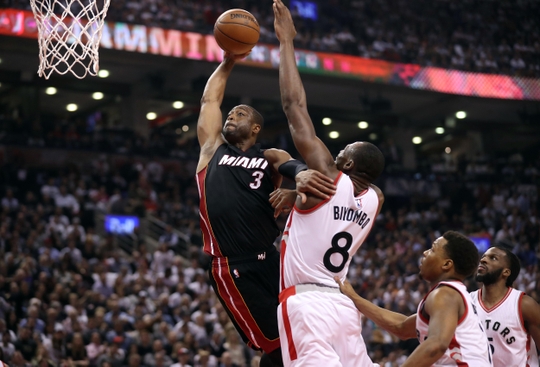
[293, 98]
[402, 326]
[209, 124]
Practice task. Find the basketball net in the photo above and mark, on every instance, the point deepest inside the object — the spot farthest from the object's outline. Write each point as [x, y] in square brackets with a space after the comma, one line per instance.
[69, 34]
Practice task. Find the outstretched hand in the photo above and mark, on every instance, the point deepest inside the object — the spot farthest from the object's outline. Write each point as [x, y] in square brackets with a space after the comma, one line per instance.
[283, 22]
[315, 183]
[345, 287]
[282, 200]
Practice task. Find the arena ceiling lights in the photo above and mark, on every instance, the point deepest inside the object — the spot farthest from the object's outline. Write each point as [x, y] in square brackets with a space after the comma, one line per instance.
[461, 115]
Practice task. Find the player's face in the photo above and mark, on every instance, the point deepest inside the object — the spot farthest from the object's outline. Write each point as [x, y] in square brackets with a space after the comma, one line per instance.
[238, 125]
[345, 155]
[340, 159]
[432, 260]
[491, 266]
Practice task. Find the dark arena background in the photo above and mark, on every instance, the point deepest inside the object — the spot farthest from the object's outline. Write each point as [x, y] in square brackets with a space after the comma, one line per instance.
[101, 252]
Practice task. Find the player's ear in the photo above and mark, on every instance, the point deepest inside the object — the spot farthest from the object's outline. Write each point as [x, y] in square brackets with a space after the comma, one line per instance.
[448, 264]
[506, 272]
[256, 128]
[348, 165]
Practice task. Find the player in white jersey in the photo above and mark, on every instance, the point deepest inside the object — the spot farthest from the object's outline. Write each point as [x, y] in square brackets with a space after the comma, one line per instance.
[510, 317]
[469, 345]
[319, 326]
[446, 324]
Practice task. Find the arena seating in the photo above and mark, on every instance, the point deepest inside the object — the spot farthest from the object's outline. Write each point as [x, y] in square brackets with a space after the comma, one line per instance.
[488, 37]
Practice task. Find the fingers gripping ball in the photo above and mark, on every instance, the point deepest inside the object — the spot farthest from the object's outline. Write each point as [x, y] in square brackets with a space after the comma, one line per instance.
[236, 31]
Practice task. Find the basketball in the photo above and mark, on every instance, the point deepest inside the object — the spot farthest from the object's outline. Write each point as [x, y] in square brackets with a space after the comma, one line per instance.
[236, 31]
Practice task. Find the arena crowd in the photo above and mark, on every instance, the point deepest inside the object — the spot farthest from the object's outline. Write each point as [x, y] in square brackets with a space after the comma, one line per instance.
[70, 296]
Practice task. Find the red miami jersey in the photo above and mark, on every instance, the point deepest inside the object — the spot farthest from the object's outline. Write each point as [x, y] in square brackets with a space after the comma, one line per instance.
[511, 344]
[319, 243]
[469, 346]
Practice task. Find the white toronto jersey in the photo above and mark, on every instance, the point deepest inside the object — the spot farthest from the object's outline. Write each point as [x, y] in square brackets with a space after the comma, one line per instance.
[469, 346]
[511, 344]
[319, 243]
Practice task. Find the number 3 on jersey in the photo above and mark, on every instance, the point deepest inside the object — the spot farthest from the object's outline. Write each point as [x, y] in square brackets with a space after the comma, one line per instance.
[337, 249]
[258, 180]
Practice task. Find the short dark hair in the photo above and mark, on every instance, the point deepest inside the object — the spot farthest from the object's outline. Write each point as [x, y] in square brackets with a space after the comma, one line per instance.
[257, 117]
[463, 253]
[513, 263]
[368, 160]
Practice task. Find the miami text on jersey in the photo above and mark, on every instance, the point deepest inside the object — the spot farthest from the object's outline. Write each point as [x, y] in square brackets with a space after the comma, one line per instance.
[246, 162]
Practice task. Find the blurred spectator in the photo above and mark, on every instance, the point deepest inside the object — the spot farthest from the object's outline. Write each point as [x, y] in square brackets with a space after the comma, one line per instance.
[7, 347]
[9, 202]
[76, 352]
[95, 348]
[65, 200]
[113, 356]
[25, 344]
[203, 358]
[183, 358]
[226, 360]
[157, 356]
[169, 238]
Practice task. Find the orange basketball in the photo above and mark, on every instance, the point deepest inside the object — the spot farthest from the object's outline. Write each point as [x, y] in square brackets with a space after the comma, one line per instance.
[236, 31]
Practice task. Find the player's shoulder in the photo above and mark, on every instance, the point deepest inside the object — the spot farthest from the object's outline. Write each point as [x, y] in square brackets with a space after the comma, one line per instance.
[443, 298]
[445, 292]
[271, 151]
[275, 155]
[378, 191]
[529, 311]
[529, 304]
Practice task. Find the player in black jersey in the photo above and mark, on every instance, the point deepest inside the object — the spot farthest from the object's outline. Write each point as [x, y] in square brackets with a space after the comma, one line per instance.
[235, 178]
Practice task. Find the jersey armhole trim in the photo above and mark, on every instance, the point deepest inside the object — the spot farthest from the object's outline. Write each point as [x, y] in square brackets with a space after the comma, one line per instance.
[520, 312]
[462, 298]
[421, 311]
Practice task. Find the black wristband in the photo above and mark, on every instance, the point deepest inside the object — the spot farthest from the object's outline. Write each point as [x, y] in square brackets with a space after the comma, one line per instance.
[291, 168]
